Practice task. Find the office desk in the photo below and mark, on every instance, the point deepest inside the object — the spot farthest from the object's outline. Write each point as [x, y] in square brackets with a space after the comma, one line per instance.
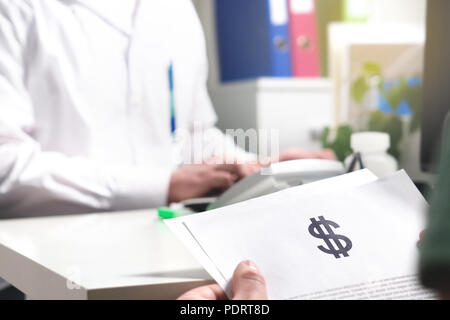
[129, 255]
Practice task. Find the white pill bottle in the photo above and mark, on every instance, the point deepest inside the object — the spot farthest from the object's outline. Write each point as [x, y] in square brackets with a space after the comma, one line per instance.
[371, 152]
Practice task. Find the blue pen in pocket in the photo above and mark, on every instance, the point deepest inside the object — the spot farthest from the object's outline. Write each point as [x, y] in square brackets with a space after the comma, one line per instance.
[172, 100]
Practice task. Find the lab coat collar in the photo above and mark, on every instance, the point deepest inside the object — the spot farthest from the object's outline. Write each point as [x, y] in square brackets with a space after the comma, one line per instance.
[119, 14]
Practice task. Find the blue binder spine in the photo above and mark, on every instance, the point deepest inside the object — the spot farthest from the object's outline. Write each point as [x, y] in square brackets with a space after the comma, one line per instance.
[279, 35]
[253, 39]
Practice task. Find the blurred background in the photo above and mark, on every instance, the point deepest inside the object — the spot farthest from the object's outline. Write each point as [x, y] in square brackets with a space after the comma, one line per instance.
[319, 70]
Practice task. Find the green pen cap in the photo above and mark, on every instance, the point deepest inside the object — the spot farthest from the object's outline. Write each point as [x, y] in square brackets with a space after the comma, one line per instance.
[167, 213]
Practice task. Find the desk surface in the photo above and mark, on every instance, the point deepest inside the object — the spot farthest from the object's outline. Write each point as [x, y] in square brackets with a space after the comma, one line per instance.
[129, 255]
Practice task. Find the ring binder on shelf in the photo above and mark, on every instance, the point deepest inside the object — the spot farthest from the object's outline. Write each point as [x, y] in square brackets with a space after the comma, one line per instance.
[253, 39]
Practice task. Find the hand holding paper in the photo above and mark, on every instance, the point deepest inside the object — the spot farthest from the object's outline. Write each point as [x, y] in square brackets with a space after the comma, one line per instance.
[248, 284]
[350, 237]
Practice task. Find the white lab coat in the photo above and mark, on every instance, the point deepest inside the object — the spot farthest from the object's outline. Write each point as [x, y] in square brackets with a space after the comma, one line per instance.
[84, 102]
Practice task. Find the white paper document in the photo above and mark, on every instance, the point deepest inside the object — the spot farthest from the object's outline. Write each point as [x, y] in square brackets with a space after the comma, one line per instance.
[349, 237]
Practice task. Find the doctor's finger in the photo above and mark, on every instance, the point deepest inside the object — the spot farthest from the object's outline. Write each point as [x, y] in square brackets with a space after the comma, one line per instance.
[221, 180]
[248, 169]
[233, 168]
[248, 282]
[327, 154]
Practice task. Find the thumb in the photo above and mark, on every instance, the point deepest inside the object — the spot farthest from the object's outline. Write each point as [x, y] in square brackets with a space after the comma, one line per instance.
[248, 282]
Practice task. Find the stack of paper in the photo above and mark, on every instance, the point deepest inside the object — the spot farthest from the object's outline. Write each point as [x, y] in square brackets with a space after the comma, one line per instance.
[349, 237]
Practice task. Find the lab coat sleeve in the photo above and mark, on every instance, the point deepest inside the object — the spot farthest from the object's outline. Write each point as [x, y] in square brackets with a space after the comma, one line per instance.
[36, 182]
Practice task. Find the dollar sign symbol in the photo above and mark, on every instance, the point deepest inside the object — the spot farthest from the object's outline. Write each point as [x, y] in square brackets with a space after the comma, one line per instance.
[339, 249]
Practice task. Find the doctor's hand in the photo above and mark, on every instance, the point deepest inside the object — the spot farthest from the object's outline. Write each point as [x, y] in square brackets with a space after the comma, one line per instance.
[248, 284]
[198, 180]
[298, 153]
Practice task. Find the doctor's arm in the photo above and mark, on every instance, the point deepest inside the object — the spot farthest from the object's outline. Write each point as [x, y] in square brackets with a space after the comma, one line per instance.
[35, 182]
